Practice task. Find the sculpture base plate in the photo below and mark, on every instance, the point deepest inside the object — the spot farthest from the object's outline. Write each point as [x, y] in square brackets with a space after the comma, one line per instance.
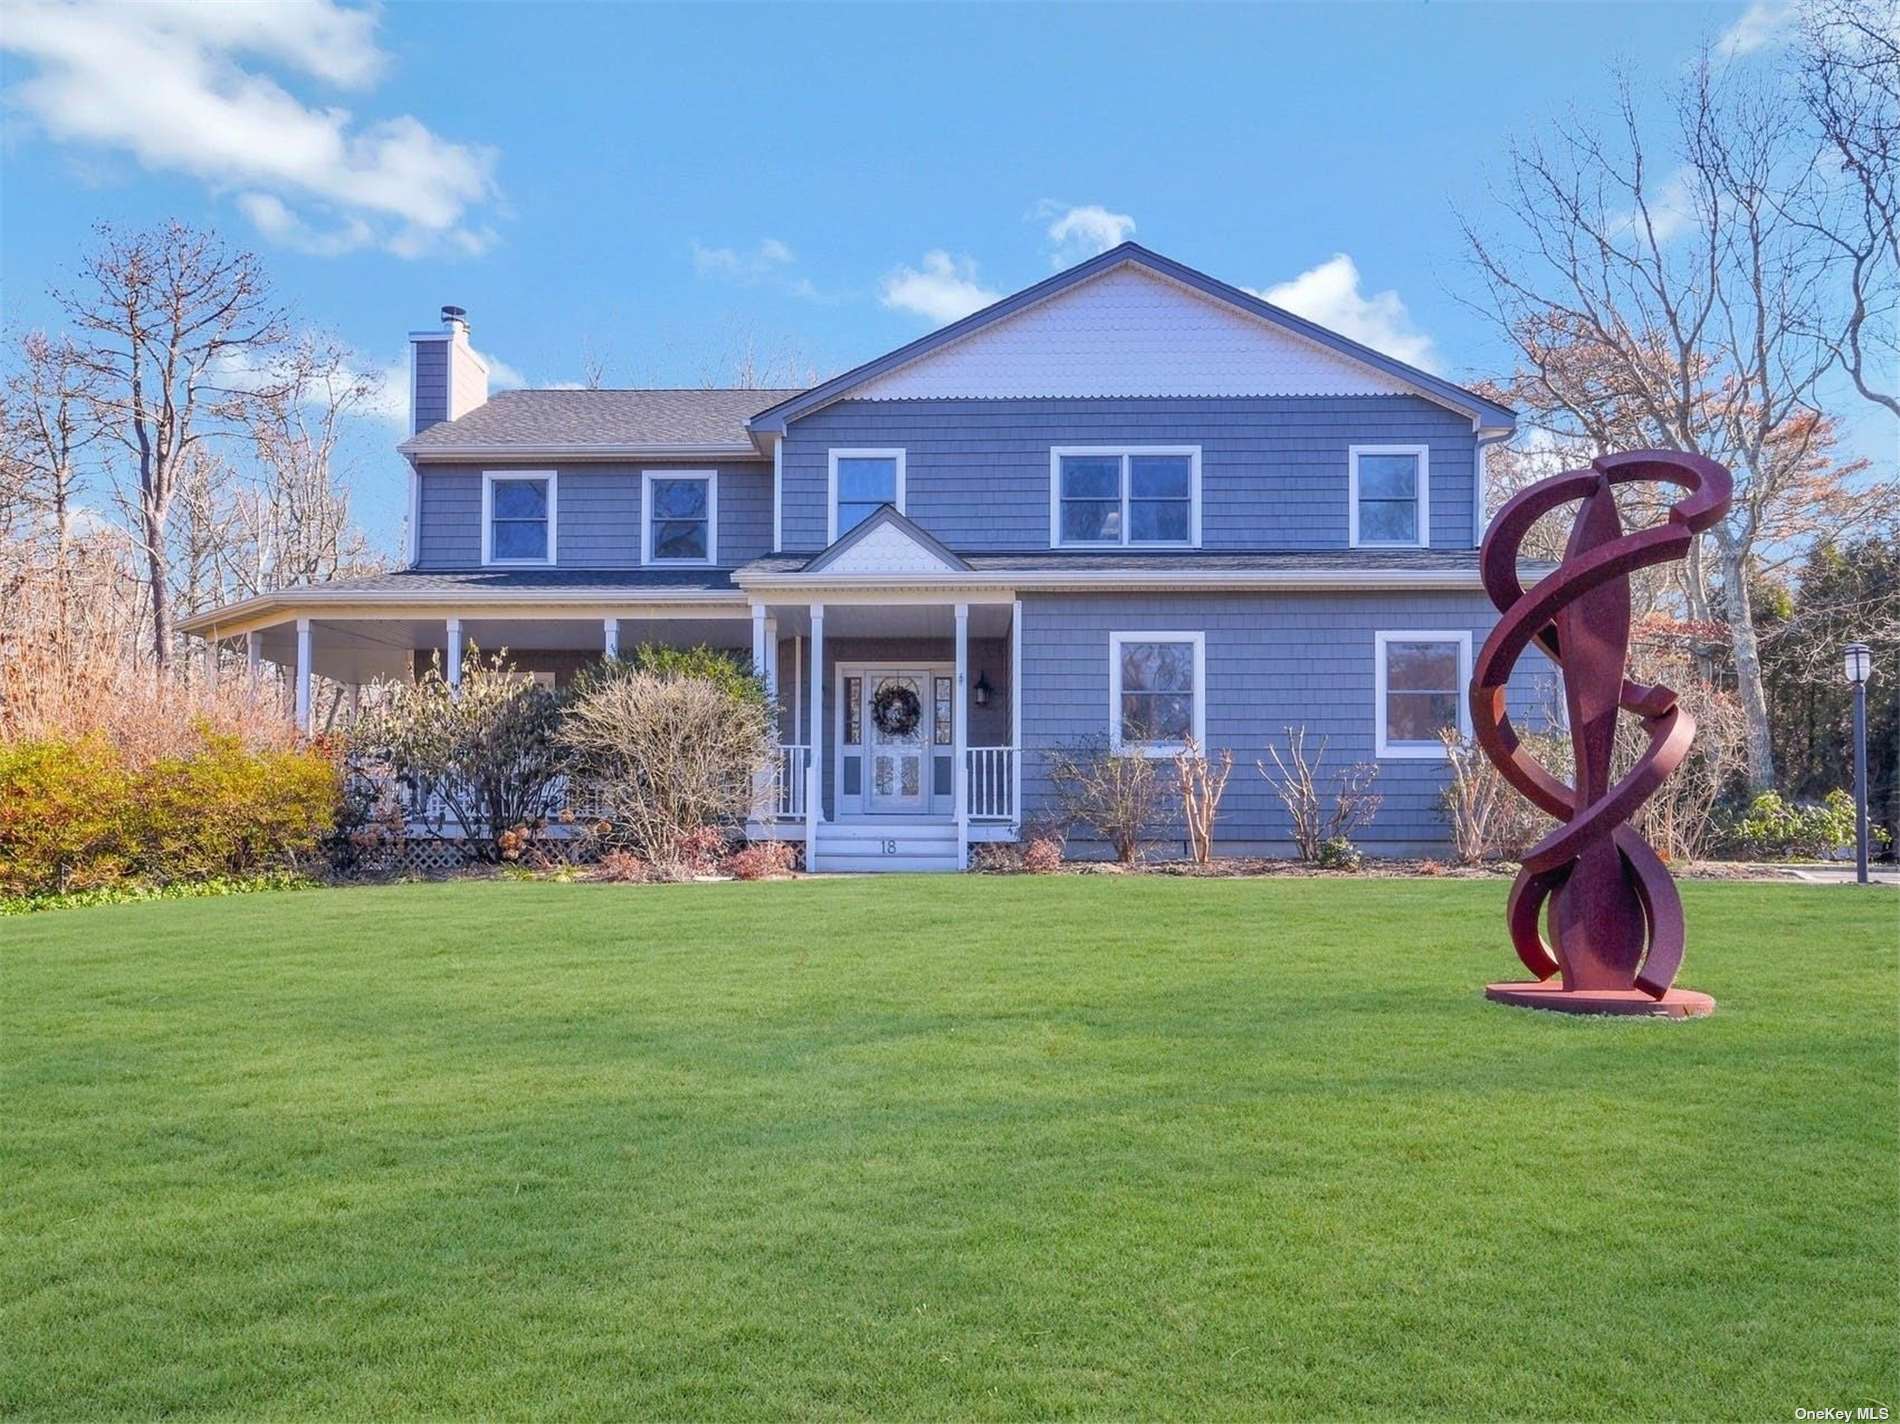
[1551, 994]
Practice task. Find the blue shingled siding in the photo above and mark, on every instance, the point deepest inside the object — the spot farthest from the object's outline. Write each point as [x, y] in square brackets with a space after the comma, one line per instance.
[1273, 661]
[1273, 469]
[598, 513]
[431, 383]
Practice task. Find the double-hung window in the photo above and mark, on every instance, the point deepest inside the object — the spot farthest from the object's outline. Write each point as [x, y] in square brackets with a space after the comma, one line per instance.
[682, 517]
[1103, 496]
[518, 516]
[1389, 496]
[1419, 690]
[1157, 689]
[861, 481]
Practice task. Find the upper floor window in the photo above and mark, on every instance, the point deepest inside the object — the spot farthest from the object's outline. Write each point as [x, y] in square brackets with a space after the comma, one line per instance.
[1389, 496]
[1125, 495]
[1419, 691]
[1156, 690]
[861, 480]
[518, 516]
[682, 517]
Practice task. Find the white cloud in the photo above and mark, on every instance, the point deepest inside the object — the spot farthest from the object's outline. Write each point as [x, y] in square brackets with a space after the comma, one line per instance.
[1762, 24]
[502, 376]
[768, 259]
[1079, 233]
[1329, 294]
[180, 87]
[943, 289]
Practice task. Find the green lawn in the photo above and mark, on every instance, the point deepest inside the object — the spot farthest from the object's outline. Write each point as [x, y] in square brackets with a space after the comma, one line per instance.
[948, 1147]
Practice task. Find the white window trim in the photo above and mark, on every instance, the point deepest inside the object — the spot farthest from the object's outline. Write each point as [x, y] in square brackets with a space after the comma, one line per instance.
[1155, 749]
[831, 481]
[489, 477]
[1424, 539]
[1418, 751]
[1056, 454]
[711, 477]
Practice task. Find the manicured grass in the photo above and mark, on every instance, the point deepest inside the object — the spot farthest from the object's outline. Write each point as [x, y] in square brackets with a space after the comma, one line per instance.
[948, 1147]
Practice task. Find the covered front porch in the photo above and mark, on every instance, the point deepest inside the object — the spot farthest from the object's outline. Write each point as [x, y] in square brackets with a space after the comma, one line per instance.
[901, 724]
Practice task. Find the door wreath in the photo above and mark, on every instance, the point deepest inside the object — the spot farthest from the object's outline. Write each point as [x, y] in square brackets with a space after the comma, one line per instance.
[896, 710]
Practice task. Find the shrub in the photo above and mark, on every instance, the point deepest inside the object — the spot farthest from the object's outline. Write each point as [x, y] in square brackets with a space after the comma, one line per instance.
[675, 761]
[1338, 853]
[75, 816]
[996, 858]
[482, 755]
[727, 671]
[1200, 782]
[1042, 856]
[762, 860]
[227, 811]
[623, 866]
[1119, 797]
[65, 821]
[1774, 828]
[1296, 781]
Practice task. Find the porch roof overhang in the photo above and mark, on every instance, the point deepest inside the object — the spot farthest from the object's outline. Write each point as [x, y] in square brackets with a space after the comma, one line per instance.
[487, 593]
[1006, 574]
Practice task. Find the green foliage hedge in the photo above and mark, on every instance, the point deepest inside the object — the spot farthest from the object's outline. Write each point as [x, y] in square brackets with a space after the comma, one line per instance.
[76, 816]
[1772, 827]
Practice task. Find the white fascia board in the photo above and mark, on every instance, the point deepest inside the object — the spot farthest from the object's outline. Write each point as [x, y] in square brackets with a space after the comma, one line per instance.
[464, 453]
[470, 598]
[1131, 579]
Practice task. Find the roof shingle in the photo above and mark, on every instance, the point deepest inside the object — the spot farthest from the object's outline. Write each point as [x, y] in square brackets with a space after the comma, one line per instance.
[542, 420]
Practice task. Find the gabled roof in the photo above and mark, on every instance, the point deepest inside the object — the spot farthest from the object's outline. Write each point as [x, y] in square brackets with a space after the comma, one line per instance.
[1483, 412]
[886, 542]
[606, 422]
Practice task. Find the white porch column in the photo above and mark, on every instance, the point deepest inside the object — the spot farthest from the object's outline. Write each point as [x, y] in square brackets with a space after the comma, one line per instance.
[798, 688]
[771, 661]
[303, 676]
[960, 738]
[1016, 714]
[453, 666]
[254, 658]
[814, 799]
[758, 641]
[610, 637]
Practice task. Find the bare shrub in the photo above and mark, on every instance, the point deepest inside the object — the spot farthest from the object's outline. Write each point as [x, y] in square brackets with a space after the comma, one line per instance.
[1119, 797]
[1200, 781]
[1295, 779]
[1042, 856]
[481, 755]
[1472, 797]
[762, 860]
[622, 866]
[996, 858]
[674, 763]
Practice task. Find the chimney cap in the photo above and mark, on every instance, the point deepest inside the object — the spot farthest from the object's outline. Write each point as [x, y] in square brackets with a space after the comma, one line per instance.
[453, 315]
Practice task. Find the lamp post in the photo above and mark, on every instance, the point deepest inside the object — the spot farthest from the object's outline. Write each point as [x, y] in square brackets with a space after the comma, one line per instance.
[1859, 662]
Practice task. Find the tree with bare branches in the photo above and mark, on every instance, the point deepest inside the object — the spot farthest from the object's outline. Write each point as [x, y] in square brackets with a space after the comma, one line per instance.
[1664, 295]
[179, 335]
[1847, 60]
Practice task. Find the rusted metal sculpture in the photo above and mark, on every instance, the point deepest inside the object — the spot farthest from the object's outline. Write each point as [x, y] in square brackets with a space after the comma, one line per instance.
[1616, 926]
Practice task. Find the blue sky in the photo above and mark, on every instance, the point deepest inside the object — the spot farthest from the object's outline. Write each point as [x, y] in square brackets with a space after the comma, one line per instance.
[660, 185]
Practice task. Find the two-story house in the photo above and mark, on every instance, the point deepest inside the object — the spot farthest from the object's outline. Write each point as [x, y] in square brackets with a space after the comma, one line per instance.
[1129, 501]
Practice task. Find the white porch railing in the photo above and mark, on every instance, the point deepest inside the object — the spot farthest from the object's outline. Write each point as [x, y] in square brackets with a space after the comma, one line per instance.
[992, 782]
[788, 780]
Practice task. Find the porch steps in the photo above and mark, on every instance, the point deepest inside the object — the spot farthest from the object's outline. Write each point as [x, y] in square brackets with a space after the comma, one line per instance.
[887, 846]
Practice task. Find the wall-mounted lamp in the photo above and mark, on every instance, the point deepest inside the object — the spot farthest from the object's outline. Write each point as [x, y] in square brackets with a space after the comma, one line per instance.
[982, 689]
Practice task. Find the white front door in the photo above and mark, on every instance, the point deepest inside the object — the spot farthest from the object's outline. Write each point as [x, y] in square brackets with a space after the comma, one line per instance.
[897, 715]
